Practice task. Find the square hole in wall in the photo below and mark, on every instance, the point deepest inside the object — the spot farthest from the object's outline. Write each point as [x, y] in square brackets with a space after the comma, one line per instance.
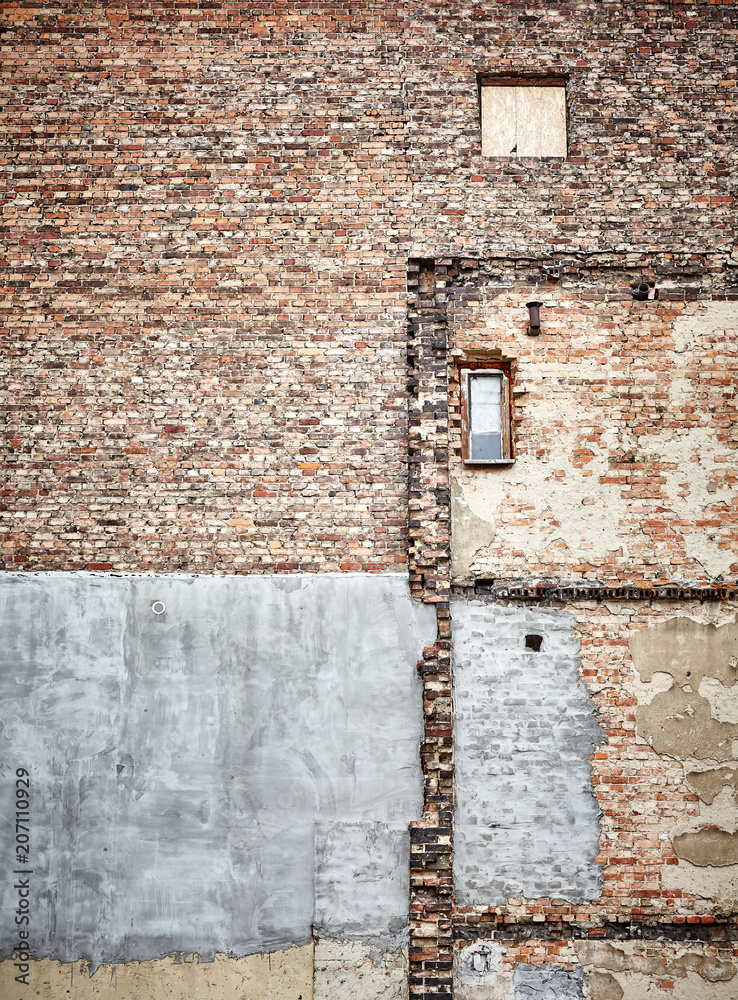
[521, 118]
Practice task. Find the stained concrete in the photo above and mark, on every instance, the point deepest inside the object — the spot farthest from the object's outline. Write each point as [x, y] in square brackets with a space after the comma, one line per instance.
[362, 880]
[188, 767]
[548, 982]
[527, 823]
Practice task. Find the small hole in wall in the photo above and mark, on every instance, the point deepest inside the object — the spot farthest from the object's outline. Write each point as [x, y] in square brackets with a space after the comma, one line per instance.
[533, 642]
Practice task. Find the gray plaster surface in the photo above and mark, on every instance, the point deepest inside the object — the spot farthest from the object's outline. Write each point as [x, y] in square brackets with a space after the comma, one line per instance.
[548, 982]
[527, 822]
[208, 779]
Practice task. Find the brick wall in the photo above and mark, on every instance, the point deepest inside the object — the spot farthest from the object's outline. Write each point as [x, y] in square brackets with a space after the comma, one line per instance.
[623, 424]
[209, 213]
[196, 194]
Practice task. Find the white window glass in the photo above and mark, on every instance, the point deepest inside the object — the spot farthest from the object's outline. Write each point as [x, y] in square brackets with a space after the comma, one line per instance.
[485, 405]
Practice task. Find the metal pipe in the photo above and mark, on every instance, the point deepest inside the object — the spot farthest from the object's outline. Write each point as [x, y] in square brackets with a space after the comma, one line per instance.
[534, 312]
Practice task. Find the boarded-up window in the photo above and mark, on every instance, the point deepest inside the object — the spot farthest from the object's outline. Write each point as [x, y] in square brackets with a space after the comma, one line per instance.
[523, 120]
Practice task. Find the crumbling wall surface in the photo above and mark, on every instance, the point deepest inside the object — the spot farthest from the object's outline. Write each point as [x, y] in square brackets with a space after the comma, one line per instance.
[637, 971]
[688, 711]
[666, 820]
[223, 776]
[352, 970]
[526, 820]
[624, 435]
[561, 969]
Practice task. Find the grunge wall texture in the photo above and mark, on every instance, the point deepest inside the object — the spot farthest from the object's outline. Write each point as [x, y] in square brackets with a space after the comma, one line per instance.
[247, 250]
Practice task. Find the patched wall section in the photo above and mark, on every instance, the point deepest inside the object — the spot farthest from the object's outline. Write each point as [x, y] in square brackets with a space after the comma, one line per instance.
[526, 818]
[217, 777]
[530, 969]
[280, 975]
[688, 710]
[623, 430]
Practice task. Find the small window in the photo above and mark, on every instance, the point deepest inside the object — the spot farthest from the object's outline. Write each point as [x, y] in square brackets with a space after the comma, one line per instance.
[485, 417]
[520, 119]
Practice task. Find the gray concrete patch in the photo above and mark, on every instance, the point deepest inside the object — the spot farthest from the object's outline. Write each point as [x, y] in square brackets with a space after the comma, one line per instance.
[362, 881]
[548, 982]
[527, 822]
[180, 761]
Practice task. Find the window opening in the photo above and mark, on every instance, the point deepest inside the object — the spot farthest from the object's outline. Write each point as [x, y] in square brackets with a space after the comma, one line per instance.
[486, 417]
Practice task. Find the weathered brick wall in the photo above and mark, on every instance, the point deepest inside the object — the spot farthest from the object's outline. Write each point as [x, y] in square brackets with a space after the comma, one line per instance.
[196, 194]
[623, 424]
[209, 213]
[650, 95]
[262, 430]
[204, 313]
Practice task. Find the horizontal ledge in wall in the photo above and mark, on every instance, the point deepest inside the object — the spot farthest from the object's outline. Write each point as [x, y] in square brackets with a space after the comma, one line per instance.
[498, 927]
[499, 590]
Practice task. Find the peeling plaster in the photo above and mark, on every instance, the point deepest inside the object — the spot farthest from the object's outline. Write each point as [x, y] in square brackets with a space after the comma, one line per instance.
[624, 972]
[691, 721]
[469, 531]
[573, 515]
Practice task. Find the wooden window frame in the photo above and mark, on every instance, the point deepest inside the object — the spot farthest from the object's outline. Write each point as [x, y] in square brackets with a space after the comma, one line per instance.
[499, 370]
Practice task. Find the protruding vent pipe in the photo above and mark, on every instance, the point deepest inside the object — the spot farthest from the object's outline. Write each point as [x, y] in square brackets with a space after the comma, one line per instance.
[534, 313]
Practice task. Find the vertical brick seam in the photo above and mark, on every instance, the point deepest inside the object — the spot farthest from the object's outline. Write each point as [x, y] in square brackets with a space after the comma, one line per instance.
[431, 839]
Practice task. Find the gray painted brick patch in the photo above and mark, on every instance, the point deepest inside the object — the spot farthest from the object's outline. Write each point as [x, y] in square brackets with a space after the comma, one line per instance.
[527, 822]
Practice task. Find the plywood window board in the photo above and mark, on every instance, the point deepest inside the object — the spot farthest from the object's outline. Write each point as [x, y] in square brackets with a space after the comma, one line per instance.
[523, 120]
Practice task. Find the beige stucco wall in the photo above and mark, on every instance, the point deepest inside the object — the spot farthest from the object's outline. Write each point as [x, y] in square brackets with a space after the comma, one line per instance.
[325, 970]
[281, 975]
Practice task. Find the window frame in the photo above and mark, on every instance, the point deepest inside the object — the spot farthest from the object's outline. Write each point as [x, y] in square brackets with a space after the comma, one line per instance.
[501, 371]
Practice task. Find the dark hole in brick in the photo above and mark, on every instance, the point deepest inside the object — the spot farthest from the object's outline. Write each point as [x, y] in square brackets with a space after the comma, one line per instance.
[533, 642]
